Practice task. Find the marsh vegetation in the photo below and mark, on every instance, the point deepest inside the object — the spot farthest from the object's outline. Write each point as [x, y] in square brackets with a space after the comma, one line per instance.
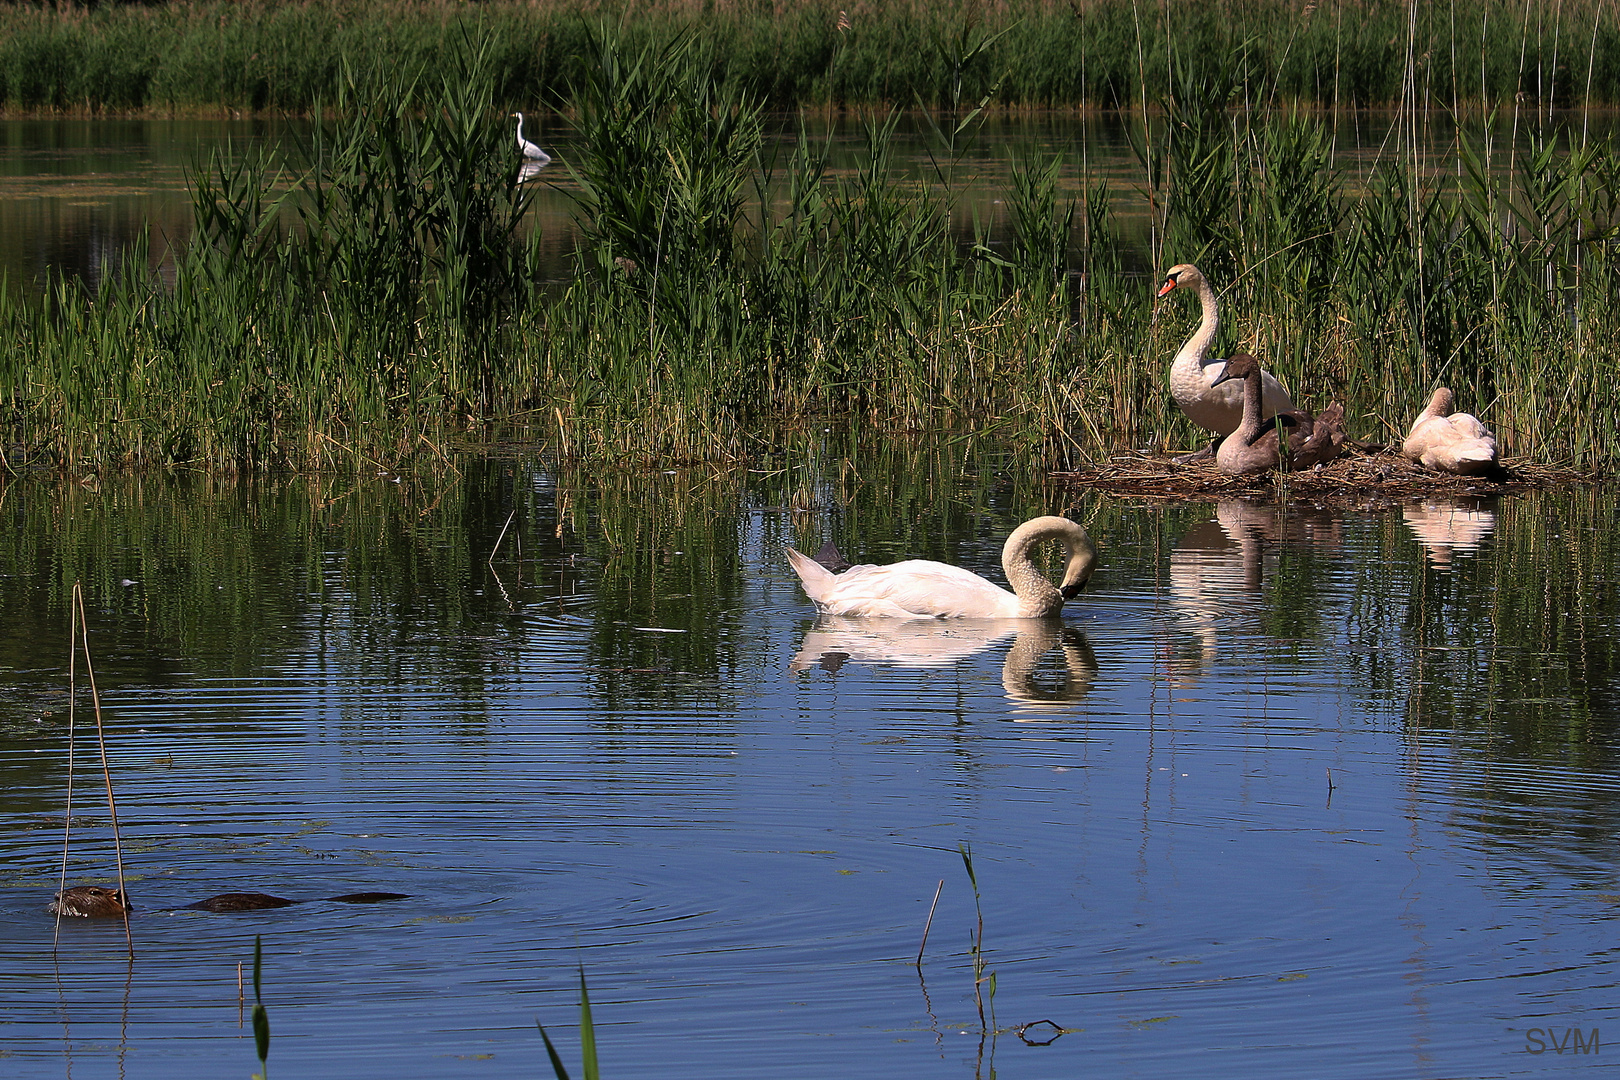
[270, 55]
[370, 295]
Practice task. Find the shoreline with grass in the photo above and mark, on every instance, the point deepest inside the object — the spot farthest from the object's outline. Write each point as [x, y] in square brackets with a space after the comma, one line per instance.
[370, 298]
[271, 57]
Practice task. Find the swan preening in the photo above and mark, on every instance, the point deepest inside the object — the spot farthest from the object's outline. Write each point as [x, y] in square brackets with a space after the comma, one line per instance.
[1449, 441]
[534, 157]
[921, 589]
[1292, 438]
[1195, 378]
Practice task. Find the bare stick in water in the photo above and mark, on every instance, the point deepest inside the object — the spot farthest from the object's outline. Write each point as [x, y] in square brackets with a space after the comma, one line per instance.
[929, 924]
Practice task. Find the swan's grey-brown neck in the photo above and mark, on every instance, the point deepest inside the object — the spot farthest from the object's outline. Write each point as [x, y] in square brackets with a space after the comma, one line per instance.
[921, 588]
[1300, 439]
[1195, 378]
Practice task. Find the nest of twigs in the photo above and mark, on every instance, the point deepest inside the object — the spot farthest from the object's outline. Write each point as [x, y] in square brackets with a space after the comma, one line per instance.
[1358, 473]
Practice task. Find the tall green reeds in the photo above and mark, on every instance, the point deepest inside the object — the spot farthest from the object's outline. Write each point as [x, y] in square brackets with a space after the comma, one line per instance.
[290, 56]
[370, 296]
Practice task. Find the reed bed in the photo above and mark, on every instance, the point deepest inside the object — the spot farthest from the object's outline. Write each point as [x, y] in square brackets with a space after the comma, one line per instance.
[290, 56]
[371, 299]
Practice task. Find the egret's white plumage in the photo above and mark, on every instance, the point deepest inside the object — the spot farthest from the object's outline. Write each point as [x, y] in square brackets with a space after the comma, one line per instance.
[1448, 441]
[922, 589]
[531, 152]
[1194, 373]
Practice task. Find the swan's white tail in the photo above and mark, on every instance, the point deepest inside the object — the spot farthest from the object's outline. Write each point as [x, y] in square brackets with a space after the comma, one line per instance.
[816, 578]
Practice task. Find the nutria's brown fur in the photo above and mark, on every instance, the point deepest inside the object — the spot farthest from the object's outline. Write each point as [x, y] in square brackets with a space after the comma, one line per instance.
[91, 902]
[94, 902]
[258, 901]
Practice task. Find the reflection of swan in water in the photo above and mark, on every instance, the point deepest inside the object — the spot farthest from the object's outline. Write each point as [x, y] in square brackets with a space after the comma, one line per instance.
[1219, 566]
[1028, 673]
[1447, 526]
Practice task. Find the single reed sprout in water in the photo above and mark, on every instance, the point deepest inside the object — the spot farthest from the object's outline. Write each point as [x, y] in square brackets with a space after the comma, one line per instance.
[88, 901]
[261, 1018]
[587, 1039]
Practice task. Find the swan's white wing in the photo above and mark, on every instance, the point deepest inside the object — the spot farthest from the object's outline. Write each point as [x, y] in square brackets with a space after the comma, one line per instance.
[1455, 443]
[1220, 408]
[917, 588]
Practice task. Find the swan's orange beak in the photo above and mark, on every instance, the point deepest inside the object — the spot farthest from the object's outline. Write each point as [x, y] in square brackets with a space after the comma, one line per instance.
[1169, 283]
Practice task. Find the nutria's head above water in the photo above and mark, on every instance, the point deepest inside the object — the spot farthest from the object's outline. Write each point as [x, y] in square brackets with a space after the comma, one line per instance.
[91, 902]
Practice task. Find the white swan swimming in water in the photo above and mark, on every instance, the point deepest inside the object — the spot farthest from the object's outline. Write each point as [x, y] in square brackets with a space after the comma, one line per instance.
[1193, 375]
[535, 157]
[922, 589]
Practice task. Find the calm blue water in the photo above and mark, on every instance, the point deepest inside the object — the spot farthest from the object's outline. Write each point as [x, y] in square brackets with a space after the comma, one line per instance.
[1286, 794]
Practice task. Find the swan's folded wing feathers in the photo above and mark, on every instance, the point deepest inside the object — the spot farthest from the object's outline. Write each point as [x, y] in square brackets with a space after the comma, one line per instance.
[917, 588]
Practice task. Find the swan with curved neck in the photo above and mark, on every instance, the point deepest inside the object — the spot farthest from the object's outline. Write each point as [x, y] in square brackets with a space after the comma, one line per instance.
[1448, 441]
[1256, 445]
[1195, 378]
[922, 589]
[538, 158]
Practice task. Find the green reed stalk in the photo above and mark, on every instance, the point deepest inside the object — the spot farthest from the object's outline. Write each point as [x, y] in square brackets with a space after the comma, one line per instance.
[587, 1039]
[261, 1018]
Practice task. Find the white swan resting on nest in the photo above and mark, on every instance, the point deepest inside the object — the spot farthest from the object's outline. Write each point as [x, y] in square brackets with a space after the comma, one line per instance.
[922, 589]
[1448, 441]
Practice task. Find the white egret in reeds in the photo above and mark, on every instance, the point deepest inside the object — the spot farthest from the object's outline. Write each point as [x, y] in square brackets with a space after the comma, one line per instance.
[921, 589]
[533, 156]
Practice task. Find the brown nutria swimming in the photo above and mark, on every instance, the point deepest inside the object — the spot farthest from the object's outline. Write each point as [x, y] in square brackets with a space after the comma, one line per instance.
[94, 902]
[258, 901]
[91, 902]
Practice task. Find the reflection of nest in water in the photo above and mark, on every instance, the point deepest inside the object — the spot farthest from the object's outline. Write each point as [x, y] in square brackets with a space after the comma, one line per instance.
[1354, 474]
